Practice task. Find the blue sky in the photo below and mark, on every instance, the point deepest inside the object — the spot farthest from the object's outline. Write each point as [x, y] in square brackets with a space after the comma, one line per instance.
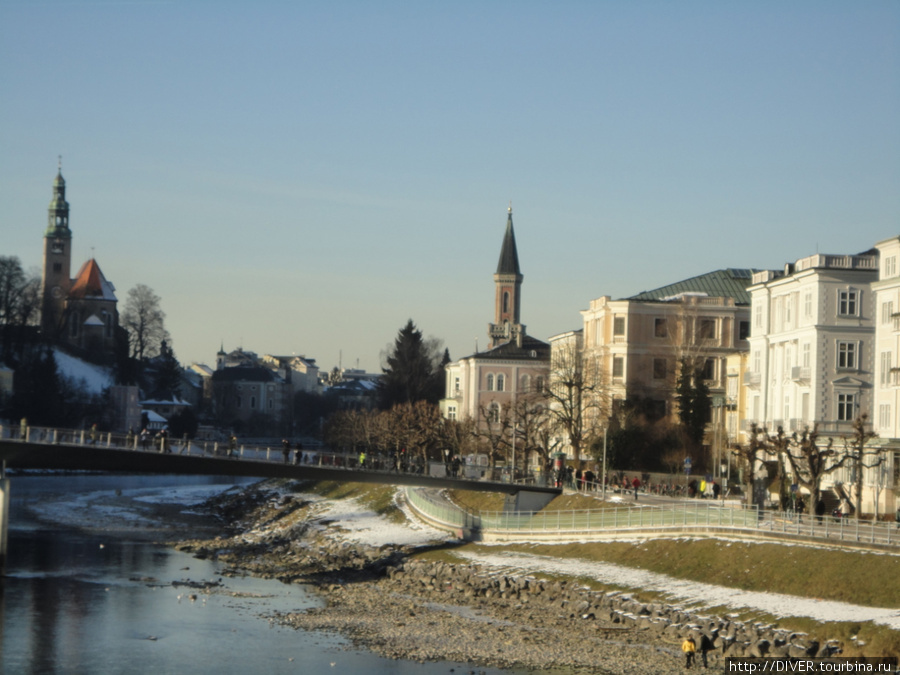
[303, 177]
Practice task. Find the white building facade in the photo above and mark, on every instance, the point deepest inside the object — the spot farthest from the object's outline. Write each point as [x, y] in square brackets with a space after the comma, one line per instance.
[884, 479]
[811, 344]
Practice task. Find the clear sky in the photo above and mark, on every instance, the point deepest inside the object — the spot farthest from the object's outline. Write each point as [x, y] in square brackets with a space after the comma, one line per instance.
[303, 177]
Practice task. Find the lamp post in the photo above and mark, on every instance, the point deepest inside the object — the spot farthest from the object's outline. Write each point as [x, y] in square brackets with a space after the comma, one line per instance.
[604, 464]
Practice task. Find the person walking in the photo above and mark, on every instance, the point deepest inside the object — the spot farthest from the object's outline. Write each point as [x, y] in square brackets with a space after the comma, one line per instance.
[636, 483]
[689, 647]
[286, 450]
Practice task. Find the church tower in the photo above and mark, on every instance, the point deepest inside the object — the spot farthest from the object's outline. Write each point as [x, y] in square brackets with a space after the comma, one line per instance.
[56, 277]
[507, 288]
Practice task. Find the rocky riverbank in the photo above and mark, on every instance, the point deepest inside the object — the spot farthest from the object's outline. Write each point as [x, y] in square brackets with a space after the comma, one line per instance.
[387, 600]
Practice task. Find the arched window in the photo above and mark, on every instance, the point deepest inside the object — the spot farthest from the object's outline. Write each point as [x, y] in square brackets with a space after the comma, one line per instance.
[501, 381]
[505, 301]
[490, 382]
[539, 383]
[526, 382]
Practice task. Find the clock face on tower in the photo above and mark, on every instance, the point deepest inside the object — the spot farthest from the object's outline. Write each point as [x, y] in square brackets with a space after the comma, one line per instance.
[56, 292]
[56, 246]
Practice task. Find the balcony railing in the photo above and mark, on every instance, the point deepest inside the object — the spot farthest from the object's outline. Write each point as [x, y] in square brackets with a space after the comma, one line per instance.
[800, 373]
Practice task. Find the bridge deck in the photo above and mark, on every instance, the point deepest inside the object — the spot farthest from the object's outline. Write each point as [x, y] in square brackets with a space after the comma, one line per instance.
[16, 454]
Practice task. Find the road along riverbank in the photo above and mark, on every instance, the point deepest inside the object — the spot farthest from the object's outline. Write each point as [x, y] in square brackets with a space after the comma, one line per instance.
[388, 600]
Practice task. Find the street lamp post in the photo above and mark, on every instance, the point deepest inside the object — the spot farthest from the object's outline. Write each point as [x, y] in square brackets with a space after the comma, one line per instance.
[604, 464]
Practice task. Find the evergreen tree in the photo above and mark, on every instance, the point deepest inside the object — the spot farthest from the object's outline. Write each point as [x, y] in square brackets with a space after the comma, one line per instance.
[694, 404]
[168, 372]
[412, 372]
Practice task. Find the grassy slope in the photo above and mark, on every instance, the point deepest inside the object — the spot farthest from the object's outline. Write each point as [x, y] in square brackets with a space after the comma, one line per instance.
[860, 578]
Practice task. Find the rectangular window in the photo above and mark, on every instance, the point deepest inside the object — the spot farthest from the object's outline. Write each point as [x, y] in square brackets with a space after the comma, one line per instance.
[890, 267]
[848, 302]
[758, 313]
[846, 410]
[451, 413]
[884, 416]
[756, 361]
[659, 369]
[847, 355]
[743, 330]
[884, 377]
[660, 328]
[619, 325]
[618, 367]
[707, 329]
[57, 267]
[887, 311]
[807, 305]
[806, 353]
[709, 369]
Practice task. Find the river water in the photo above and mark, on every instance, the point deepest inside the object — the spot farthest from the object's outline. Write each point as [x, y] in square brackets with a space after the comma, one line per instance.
[110, 602]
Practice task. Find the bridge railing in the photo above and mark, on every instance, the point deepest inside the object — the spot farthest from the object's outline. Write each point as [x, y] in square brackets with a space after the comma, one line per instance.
[676, 518]
[273, 452]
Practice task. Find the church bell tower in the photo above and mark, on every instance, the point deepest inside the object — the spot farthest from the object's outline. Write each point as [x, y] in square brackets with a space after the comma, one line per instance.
[507, 288]
[56, 277]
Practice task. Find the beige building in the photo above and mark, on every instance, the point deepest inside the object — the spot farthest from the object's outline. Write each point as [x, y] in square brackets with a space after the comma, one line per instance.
[639, 342]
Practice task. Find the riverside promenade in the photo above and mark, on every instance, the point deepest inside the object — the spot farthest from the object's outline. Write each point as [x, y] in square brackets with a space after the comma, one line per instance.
[626, 521]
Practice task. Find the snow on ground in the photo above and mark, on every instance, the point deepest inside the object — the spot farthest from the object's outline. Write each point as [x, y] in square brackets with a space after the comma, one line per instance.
[95, 378]
[362, 525]
[367, 527]
[690, 592]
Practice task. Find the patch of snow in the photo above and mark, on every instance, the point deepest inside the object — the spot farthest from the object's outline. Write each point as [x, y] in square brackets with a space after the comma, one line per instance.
[363, 526]
[704, 595]
[95, 378]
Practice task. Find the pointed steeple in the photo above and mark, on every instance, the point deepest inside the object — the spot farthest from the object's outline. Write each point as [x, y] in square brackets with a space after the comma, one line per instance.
[509, 255]
[507, 284]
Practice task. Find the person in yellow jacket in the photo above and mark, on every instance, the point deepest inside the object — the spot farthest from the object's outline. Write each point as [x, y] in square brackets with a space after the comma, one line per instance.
[688, 647]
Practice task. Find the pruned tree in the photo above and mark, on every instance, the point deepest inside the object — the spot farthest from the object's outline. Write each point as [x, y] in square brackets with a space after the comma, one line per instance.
[748, 456]
[144, 320]
[810, 462]
[861, 457]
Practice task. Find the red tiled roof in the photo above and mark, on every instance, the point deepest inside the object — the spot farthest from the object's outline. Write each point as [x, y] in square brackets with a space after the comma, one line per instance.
[89, 282]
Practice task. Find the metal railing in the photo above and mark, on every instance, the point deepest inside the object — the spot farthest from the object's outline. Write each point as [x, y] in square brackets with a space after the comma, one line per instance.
[683, 517]
[260, 452]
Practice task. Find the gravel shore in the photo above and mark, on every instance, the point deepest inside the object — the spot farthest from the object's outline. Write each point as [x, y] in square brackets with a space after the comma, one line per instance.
[387, 600]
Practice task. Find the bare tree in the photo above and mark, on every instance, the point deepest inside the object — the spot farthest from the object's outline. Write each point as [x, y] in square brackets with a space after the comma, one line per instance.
[144, 320]
[530, 419]
[855, 448]
[494, 429]
[576, 400]
[810, 462]
[758, 447]
[19, 303]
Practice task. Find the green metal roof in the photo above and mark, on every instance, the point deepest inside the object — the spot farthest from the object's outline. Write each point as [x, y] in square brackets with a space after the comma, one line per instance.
[727, 283]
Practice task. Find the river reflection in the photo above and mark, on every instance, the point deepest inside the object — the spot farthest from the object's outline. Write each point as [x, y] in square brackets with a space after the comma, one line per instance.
[76, 602]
